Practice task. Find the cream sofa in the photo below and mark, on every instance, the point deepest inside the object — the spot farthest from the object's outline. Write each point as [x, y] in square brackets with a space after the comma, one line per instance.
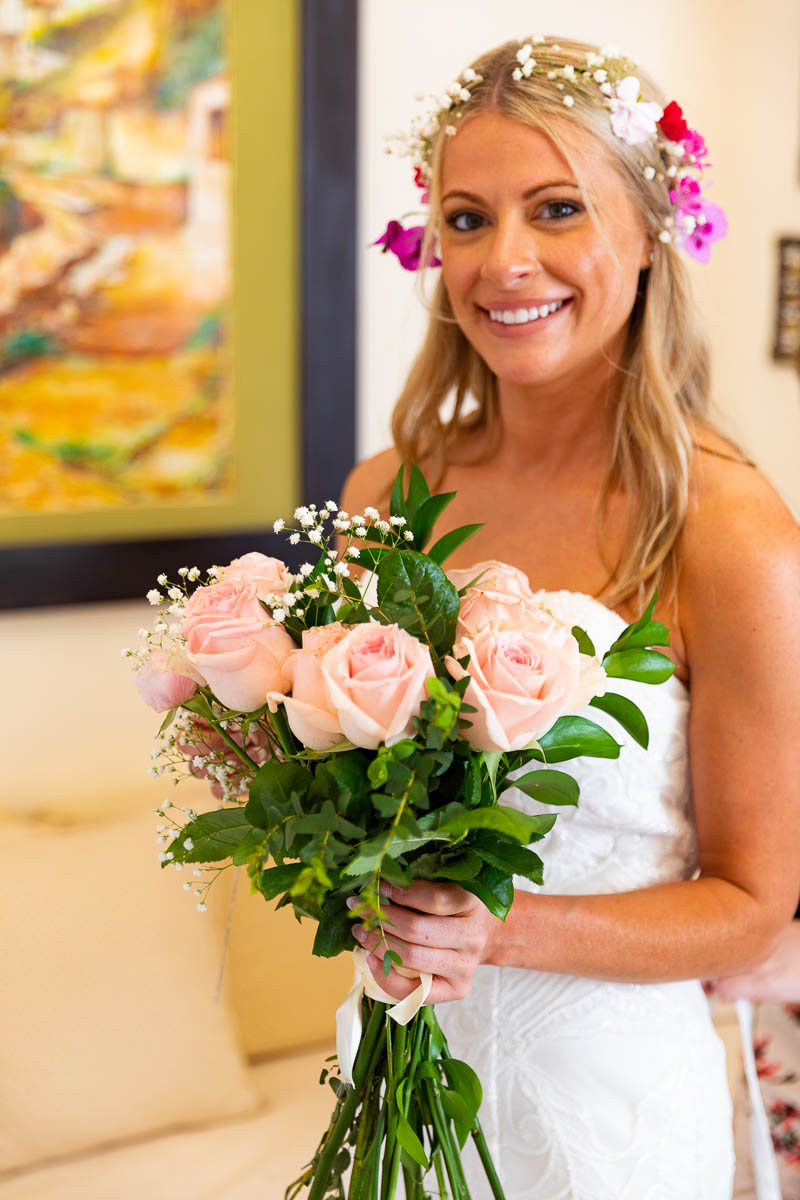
[122, 1076]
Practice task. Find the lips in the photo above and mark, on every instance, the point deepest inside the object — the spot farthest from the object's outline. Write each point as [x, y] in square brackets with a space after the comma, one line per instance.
[502, 319]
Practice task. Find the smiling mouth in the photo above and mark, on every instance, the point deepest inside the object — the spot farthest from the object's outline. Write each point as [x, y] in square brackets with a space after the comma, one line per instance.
[524, 316]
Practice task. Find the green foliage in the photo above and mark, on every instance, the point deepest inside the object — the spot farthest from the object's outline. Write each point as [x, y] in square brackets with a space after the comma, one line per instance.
[549, 787]
[211, 837]
[415, 593]
[421, 511]
[574, 737]
[645, 666]
[626, 713]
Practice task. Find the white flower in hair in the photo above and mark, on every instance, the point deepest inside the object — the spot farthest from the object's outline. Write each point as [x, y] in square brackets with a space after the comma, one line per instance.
[633, 120]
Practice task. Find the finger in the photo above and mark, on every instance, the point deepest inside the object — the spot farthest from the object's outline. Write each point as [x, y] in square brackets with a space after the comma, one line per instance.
[432, 960]
[438, 899]
[442, 990]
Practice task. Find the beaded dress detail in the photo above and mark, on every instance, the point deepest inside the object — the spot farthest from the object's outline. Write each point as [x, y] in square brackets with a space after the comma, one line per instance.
[597, 1090]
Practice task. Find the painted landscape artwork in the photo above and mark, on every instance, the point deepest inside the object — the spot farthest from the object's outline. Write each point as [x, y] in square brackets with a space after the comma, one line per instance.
[115, 216]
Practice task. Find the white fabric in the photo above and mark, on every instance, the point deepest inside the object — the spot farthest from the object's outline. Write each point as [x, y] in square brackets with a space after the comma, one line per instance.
[596, 1090]
[765, 1168]
[348, 1015]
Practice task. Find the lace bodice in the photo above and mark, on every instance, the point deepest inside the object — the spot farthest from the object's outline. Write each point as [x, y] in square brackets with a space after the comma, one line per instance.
[633, 826]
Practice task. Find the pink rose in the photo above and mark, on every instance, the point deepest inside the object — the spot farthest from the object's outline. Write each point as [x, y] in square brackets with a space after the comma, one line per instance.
[311, 715]
[166, 678]
[495, 576]
[235, 644]
[521, 681]
[502, 593]
[375, 682]
[270, 575]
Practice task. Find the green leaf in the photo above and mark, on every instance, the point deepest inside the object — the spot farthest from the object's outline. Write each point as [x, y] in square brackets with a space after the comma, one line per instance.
[645, 666]
[585, 643]
[397, 504]
[464, 866]
[463, 1079]
[276, 880]
[549, 787]
[653, 633]
[249, 846]
[418, 491]
[272, 786]
[494, 888]
[410, 1142]
[450, 542]
[628, 714]
[501, 818]
[213, 836]
[335, 930]
[416, 593]
[510, 857]
[572, 737]
[459, 1112]
[168, 719]
[426, 516]
[389, 958]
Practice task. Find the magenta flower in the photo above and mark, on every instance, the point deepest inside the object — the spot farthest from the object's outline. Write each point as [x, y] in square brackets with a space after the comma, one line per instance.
[699, 222]
[694, 143]
[406, 244]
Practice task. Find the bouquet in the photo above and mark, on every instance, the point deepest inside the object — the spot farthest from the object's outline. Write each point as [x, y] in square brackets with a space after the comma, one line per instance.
[362, 732]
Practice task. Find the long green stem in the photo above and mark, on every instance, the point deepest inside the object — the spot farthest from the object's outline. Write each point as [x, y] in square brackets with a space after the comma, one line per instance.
[350, 1105]
[452, 1158]
[479, 1139]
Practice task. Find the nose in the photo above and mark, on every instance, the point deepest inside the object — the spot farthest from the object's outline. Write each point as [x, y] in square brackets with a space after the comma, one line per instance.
[511, 256]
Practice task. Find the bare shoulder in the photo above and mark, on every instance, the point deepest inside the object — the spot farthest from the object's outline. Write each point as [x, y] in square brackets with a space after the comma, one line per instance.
[370, 482]
[741, 547]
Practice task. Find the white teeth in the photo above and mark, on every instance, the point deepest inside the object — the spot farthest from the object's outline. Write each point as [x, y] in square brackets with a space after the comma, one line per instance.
[522, 316]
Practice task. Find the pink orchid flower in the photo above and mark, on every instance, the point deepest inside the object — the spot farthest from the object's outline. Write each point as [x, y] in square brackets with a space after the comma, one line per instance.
[700, 222]
[406, 244]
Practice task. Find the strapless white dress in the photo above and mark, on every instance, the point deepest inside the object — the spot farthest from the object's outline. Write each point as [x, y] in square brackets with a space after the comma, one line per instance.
[595, 1090]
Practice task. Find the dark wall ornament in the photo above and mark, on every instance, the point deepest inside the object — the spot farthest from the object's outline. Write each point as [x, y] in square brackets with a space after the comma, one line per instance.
[91, 570]
[786, 346]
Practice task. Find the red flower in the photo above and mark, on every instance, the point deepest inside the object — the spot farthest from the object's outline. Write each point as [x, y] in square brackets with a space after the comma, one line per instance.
[672, 124]
[422, 183]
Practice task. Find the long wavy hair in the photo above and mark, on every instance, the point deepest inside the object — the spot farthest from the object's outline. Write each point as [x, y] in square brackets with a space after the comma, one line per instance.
[663, 382]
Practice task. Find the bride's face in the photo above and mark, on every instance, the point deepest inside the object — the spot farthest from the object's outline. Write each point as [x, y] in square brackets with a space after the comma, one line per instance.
[517, 239]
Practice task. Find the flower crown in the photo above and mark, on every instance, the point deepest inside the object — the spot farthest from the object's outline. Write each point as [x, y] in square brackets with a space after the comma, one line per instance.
[607, 78]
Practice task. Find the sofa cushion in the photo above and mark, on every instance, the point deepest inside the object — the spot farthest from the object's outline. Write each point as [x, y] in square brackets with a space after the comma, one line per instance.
[109, 1027]
[248, 1158]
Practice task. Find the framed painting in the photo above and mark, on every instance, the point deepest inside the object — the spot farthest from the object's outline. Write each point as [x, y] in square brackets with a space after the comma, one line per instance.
[177, 283]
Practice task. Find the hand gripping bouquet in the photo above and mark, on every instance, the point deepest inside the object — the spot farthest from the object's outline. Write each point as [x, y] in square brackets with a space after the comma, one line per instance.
[356, 742]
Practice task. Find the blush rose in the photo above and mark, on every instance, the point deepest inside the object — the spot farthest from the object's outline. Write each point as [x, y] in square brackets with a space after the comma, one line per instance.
[270, 575]
[374, 679]
[235, 644]
[311, 715]
[167, 678]
[522, 679]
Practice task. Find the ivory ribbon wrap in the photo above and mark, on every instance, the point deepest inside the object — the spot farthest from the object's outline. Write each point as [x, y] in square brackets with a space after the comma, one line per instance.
[765, 1168]
[348, 1015]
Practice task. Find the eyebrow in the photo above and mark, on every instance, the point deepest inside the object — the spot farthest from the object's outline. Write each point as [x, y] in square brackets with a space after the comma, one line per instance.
[541, 187]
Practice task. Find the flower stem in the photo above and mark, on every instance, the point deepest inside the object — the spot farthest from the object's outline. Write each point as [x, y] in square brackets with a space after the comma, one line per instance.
[361, 1070]
[479, 1139]
[452, 1158]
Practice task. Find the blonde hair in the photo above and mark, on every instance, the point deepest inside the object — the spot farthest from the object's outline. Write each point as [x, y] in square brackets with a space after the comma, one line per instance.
[663, 382]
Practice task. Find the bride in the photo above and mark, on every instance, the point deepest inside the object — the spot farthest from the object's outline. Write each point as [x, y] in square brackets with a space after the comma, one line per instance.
[562, 195]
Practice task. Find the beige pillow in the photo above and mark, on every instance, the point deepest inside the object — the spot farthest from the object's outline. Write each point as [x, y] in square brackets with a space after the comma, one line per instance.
[108, 1024]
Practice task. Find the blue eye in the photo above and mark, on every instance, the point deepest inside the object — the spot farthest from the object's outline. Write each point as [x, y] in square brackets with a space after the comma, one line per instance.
[465, 222]
[558, 210]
